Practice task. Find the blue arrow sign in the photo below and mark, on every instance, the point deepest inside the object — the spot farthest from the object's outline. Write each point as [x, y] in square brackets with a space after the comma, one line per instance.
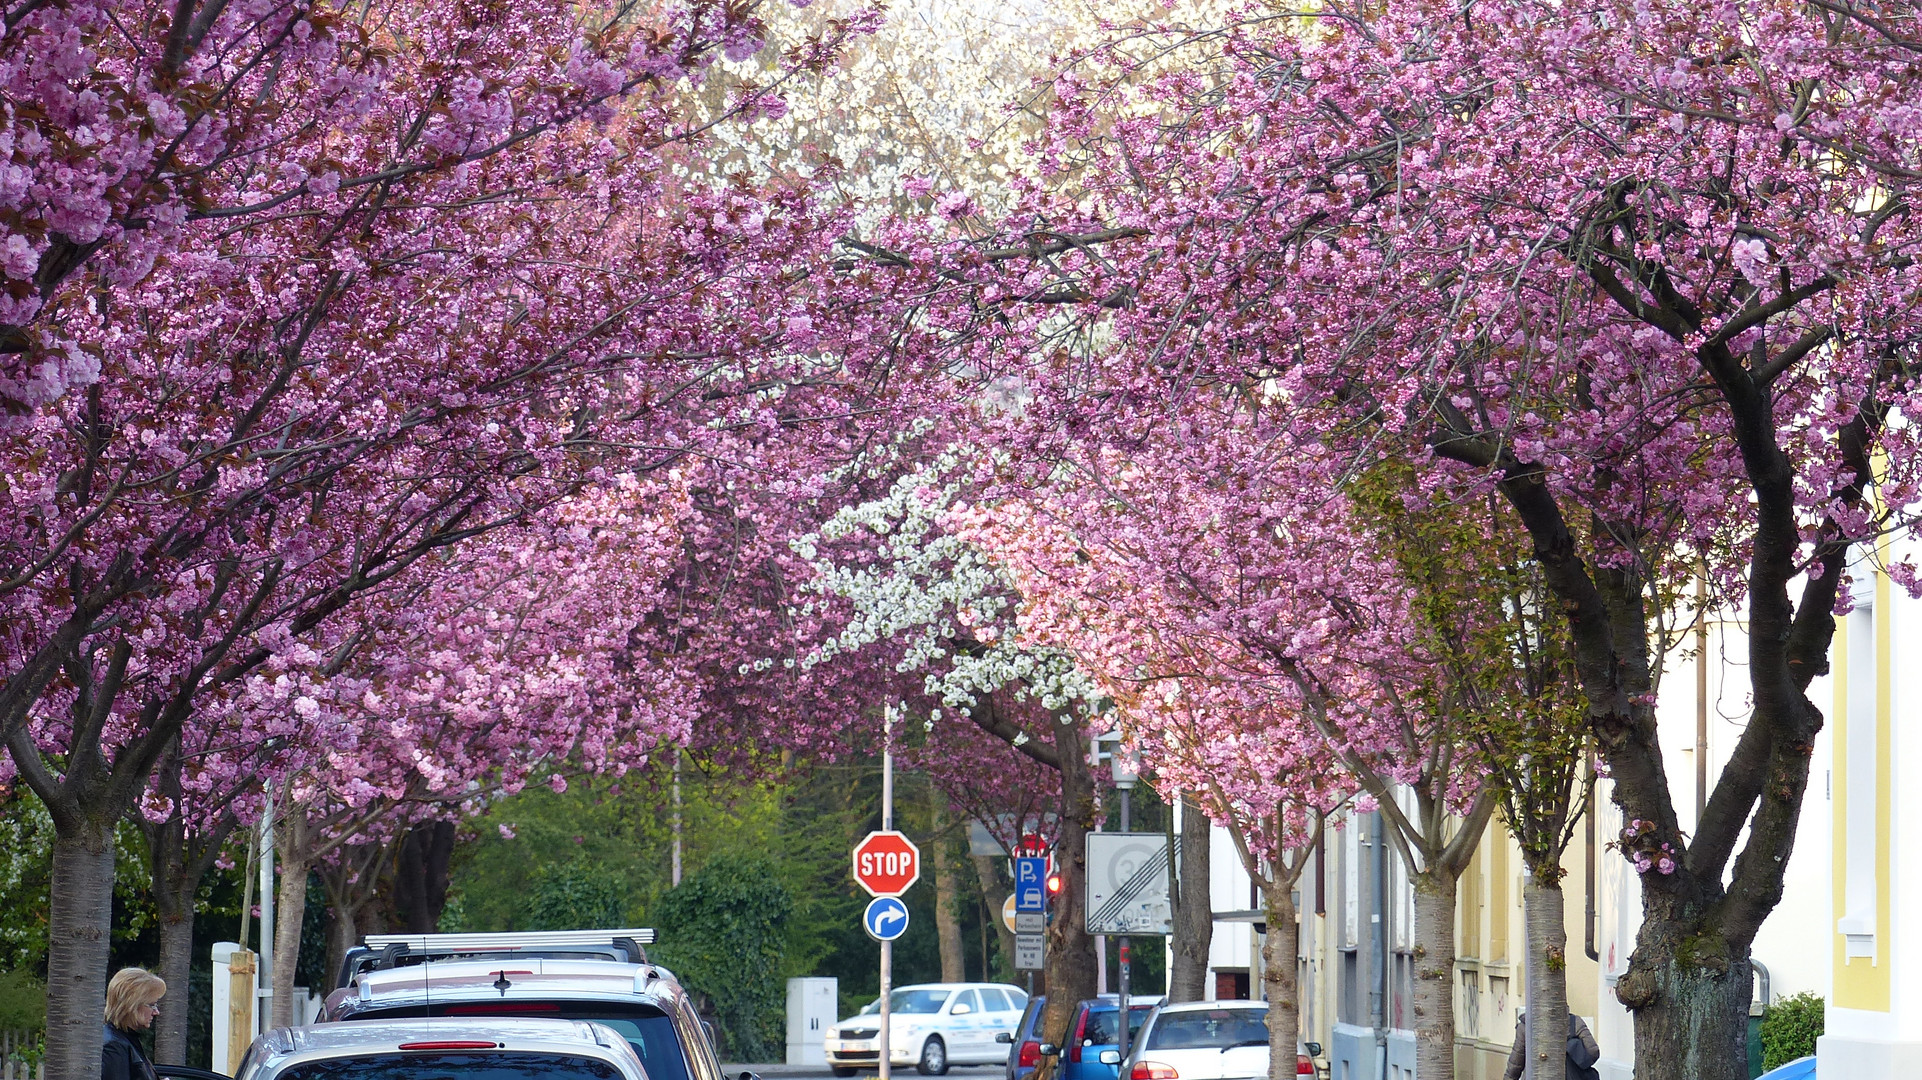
[1031, 884]
[886, 918]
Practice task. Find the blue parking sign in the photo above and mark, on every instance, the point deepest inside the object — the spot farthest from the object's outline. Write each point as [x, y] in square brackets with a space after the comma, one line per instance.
[1031, 884]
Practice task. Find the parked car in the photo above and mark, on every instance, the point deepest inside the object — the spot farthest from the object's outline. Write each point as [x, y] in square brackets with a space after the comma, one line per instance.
[446, 1049]
[1024, 1049]
[932, 1026]
[1094, 1028]
[1204, 1040]
[507, 975]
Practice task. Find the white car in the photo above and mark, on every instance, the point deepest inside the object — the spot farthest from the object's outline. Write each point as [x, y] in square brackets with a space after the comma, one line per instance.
[445, 1048]
[931, 1026]
[1203, 1040]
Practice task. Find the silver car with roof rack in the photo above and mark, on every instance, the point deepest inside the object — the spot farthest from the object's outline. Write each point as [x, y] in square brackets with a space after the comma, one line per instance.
[600, 976]
[496, 1049]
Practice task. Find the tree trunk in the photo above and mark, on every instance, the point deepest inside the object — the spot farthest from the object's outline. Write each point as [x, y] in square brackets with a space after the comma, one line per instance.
[421, 875]
[175, 907]
[995, 893]
[946, 925]
[1280, 979]
[1691, 1019]
[290, 909]
[80, 915]
[1435, 893]
[1547, 980]
[1194, 907]
[1070, 958]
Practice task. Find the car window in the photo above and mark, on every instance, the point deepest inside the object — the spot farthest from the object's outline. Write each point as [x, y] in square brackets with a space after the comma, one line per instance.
[646, 1029]
[966, 1002]
[1209, 1028]
[907, 1002]
[490, 1066]
[995, 1001]
[1101, 1031]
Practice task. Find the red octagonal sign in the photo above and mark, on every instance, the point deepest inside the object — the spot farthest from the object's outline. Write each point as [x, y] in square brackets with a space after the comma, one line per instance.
[886, 863]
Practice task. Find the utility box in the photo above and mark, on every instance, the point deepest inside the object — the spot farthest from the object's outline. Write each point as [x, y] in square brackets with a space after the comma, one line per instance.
[812, 1007]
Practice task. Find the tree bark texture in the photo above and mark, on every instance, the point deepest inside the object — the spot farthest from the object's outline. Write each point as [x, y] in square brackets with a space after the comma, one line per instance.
[290, 909]
[1070, 960]
[996, 894]
[1547, 981]
[1194, 907]
[351, 883]
[421, 876]
[174, 908]
[1281, 979]
[1695, 1025]
[176, 917]
[77, 944]
[1435, 894]
[947, 925]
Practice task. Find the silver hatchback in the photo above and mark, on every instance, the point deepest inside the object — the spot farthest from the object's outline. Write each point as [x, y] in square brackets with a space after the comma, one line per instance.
[443, 1049]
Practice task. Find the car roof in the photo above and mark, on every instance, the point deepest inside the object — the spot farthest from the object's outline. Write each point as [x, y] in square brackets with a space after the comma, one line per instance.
[526, 978]
[961, 986]
[1204, 1006]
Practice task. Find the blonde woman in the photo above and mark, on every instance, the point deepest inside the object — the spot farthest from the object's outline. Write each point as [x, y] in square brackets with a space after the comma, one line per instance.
[133, 1000]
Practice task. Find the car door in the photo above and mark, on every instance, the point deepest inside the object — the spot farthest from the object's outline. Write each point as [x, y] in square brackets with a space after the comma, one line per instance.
[998, 1012]
[965, 1039]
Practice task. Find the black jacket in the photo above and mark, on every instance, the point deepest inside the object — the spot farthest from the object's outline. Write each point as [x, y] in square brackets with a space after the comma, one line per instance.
[121, 1057]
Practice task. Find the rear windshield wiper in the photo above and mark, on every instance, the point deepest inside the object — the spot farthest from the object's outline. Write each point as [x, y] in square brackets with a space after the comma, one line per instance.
[1244, 1042]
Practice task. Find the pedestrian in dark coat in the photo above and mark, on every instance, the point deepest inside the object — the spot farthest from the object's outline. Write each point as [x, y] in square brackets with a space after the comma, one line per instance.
[133, 1000]
[1582, 1052]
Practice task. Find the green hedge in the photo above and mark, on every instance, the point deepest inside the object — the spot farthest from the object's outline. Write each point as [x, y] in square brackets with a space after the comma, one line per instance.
[1790, 1028]
[23, 1002]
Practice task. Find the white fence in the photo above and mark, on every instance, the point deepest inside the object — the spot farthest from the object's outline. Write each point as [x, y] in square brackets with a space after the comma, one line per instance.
[15, 1047]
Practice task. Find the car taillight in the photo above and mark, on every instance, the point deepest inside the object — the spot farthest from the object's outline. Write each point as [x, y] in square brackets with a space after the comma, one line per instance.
[1304, 1066]
[1030, 1055]
[1153, 1070]
[450, 1044]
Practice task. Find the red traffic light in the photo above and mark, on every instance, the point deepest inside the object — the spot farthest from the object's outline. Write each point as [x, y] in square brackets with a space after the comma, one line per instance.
[1054, 884]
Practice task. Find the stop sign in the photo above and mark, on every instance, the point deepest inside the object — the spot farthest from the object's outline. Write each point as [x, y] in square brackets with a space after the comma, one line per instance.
[886, 863]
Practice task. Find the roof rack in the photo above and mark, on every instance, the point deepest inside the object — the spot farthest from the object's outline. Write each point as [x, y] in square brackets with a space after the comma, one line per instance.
[514, 939]
[382, 952]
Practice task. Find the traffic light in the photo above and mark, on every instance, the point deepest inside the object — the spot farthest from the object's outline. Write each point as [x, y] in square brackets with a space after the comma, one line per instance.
[1054, 886]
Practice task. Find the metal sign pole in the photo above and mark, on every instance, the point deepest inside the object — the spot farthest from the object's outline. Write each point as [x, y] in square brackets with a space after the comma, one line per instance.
[887, 947]
[1122, 948]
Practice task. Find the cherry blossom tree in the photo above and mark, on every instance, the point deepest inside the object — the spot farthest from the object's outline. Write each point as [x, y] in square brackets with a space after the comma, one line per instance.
[304, 401]
[1640, 270]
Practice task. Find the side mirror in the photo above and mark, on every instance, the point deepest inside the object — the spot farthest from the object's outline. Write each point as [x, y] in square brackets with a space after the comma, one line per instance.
[962, 1009]
[1111, 1057]
[1049, 1050]
[1314, 1049]
[1004, 1037]
[745, 1075]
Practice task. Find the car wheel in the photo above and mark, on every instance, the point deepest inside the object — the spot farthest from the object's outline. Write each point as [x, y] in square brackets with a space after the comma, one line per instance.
[843, 1070]
[934, 1057]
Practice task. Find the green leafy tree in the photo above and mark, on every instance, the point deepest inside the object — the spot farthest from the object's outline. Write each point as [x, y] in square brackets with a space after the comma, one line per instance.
[724, 933]
[576, 895]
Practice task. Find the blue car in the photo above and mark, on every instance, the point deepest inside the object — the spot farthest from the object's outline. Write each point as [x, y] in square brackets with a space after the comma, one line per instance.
[1096, 1027]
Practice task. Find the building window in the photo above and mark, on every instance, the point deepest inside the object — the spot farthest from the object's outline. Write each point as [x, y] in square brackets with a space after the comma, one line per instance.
[1858, 921]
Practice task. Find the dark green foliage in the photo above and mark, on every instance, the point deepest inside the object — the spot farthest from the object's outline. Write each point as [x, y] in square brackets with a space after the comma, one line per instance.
[1790, 1028]
[23, 1002]
[26, 866]
[575, 895]
[724, 932]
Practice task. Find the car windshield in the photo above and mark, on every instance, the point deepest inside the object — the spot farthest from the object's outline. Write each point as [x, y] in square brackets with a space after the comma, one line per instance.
[466, 1066]
[909, 1001]
[650, 1033]
[1101, 1028]
[1209, 1028]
